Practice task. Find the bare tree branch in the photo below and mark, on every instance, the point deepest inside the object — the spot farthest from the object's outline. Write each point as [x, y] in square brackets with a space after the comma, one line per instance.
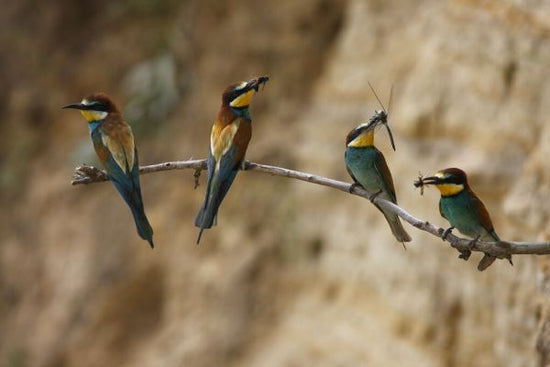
[501, 249]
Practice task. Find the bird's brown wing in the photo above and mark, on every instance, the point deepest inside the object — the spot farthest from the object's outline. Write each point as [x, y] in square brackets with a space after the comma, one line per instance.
[477, 206]
[242, 138]
[118, 139]
[383, 171]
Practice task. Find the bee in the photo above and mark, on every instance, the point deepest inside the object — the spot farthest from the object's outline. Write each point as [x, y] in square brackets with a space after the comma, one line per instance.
[261, 80]
[419, 182]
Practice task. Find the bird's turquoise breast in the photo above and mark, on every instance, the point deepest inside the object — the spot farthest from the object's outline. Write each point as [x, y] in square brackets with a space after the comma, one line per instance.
[362, 164]
[459, 212]
[242, 112]
[93, 125]
[95, 134]
[103, 153]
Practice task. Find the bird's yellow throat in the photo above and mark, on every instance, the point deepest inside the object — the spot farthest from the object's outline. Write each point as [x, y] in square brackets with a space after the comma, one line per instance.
[365, 139]
[449, 189]
[90, 115]
[243, 100]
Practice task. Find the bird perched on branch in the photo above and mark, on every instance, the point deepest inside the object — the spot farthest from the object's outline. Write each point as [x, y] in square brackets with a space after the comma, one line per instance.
[114, 144]
[463, 209]
[229, 139]
[368, 168]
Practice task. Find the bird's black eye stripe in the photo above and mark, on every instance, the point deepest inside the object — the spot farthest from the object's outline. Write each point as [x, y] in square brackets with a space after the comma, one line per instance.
[354, 134]
[236, 93]
[454, 180]
[100, 106]
[97, 106]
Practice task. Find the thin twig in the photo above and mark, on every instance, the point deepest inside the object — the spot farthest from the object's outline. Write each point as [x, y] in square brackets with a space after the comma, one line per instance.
[501, 249]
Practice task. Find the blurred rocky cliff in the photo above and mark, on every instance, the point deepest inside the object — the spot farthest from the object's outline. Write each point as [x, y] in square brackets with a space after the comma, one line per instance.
[295, 274]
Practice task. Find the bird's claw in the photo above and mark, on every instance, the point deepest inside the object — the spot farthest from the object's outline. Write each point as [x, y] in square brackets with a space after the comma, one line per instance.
[373, 196]
[465, 255]
[473, 243]
[353, 186]
[446, 233]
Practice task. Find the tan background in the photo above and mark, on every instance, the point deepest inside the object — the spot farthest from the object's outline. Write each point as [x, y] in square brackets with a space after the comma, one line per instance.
[295, 274]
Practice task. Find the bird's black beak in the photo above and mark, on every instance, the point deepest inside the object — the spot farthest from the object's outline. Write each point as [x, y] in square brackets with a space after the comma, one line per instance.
[431, 180]
[76, 106]
[371, 125]
[255, 83]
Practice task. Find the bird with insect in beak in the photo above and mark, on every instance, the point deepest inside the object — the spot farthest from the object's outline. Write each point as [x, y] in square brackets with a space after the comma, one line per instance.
[463, 209]
[368, 168]
[113, 142]
[229, 140]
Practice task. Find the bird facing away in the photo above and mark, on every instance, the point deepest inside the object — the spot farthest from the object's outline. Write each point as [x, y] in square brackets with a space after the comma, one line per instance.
[463, 209]
[114, 144]
[367, 167]
[229, 139]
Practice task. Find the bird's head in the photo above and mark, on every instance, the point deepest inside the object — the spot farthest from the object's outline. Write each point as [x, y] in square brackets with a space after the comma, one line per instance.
[363, 135]
[238, 96]
[94, 107]
[449, 181]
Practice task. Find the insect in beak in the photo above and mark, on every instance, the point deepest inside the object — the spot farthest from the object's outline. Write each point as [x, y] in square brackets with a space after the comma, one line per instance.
[419, 182]
[390, 134]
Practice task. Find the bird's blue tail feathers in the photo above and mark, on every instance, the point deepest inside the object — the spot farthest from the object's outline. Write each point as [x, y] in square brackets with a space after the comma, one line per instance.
[216, 191]
[132, 197]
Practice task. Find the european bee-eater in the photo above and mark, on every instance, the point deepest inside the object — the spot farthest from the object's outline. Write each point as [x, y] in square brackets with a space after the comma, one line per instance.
[114, 144]
[368, 168]
[462, 208]
[229, 139]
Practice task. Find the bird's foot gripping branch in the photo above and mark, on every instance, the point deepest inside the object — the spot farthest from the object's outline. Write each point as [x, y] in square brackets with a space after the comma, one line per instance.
[500, 249]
